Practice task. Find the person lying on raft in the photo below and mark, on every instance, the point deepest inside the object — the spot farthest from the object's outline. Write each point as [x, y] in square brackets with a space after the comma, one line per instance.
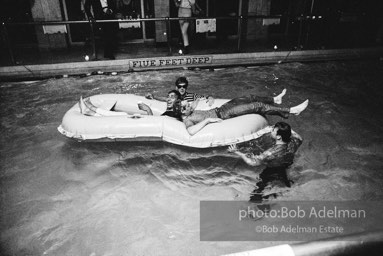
[276, 159]
[172, 110]
[195, 120]
[181, 86]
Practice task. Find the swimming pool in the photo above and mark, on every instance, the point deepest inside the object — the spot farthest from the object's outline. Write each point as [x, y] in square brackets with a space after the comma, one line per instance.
[61, 197]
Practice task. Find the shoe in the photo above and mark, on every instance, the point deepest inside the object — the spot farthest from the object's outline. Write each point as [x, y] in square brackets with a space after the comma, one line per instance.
[180, 41]
[186, 50]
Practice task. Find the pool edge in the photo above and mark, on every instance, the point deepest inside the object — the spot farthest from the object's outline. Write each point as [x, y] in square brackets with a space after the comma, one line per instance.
[23, 72]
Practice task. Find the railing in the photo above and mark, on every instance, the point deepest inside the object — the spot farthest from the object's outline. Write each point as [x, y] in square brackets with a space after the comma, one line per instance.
[93, 24]
[296, 33]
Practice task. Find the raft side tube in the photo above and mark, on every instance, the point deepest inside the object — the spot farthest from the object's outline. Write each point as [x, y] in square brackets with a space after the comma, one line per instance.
[95, 128]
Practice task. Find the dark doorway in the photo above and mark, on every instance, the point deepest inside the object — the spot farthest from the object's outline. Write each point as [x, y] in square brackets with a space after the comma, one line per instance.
[13, 11]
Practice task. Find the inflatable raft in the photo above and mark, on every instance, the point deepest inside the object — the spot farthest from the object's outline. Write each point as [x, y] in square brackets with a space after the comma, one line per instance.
[138, 126]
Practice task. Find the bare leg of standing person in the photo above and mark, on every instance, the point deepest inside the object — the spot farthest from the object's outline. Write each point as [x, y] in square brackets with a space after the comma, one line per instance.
[184, 25]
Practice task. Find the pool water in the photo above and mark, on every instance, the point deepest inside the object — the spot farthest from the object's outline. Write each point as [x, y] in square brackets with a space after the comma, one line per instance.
[62, 197]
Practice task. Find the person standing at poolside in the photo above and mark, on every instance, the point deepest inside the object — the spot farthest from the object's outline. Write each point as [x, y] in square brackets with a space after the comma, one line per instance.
[276, 159]
[104, 10]
[184, 11]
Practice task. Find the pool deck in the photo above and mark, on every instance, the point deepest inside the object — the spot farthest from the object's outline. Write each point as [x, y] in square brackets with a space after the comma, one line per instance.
[205, 60]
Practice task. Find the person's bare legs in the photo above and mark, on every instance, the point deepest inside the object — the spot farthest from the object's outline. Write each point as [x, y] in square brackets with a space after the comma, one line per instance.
[184, 30]
[278, 98]
[299, 108]
[87, 108]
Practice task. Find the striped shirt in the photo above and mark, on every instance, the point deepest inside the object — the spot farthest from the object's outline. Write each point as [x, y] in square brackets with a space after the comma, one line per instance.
[190, 97]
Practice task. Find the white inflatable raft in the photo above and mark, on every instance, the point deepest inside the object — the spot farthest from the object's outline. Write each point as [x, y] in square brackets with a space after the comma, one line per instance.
[141, 127]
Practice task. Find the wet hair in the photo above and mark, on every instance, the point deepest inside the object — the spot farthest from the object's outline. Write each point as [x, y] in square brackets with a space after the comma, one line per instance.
[176, 93]
[177, 109]
[182, 80]
[284, 130]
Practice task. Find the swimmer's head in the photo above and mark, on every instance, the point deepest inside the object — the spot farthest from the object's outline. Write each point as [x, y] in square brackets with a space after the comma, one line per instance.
[283, 130]
[182, 85]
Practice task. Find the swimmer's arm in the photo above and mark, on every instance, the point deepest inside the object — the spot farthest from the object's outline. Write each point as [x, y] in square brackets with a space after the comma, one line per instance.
[252, 161]
[297, 136]
[195, 128]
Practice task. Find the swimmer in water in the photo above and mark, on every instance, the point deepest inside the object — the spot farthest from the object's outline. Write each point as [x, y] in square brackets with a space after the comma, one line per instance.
[276, 159]
[195, 120]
